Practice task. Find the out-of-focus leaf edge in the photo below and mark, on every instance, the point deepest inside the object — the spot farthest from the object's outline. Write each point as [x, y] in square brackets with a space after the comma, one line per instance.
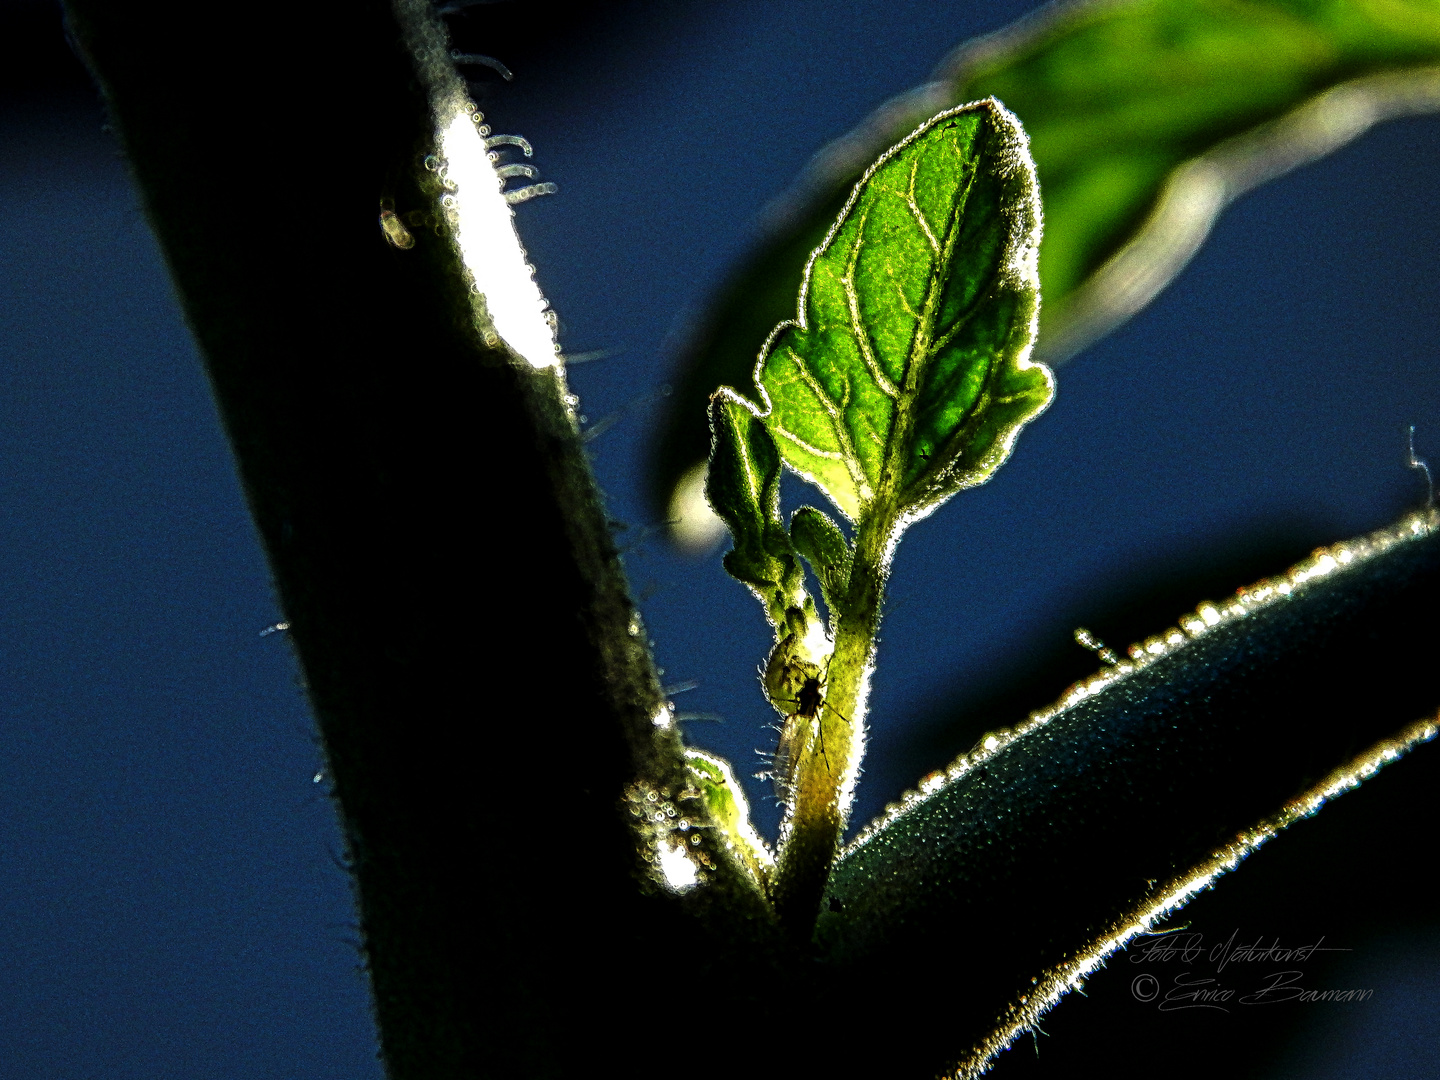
[925, 885]
[1186, 208]
[1195, 194]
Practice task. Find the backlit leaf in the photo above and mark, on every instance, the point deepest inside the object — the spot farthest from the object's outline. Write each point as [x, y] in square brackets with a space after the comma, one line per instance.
[907, 374]
[743, 487]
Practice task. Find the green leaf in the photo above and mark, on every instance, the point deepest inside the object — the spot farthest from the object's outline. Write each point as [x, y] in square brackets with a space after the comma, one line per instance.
[743, 486]
[1160, 81]
[1096, 816]
[907, 375]
[1135, 112]
[730, 813]
[826, 550]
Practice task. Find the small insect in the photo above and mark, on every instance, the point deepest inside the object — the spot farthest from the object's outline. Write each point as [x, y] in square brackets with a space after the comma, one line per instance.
[790, 681]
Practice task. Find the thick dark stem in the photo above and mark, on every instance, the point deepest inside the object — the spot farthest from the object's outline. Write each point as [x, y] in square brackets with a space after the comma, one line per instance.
[439, 547]
[464, 630]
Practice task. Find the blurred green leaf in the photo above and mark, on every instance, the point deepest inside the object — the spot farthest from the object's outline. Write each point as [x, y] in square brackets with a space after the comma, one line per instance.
[1145, 119]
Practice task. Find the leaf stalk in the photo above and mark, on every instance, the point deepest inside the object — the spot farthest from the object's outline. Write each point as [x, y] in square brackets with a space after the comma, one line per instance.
[829, 763]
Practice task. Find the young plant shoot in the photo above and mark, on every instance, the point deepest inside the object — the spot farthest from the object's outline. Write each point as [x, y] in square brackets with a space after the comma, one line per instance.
[606, 901]
[904, 378]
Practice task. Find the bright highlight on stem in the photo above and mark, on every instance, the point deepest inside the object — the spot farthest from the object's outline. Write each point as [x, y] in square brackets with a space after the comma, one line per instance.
[490, 246]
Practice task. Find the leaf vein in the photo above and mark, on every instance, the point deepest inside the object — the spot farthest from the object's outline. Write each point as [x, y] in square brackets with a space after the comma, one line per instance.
[784, 432]
[915, 207]
[852, 300]
[960, 322]
[837, 421]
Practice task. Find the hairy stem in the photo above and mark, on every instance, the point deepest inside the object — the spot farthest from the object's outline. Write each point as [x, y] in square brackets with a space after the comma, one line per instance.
[479, 675]
[829, 763]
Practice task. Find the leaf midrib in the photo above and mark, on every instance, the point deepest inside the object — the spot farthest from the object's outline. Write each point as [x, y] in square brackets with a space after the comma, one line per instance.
[897, 442]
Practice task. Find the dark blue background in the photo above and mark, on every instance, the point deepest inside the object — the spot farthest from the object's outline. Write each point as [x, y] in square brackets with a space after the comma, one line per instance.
[169, 903]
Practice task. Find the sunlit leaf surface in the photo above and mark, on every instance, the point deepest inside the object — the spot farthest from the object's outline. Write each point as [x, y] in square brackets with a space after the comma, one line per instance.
[907, 374]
